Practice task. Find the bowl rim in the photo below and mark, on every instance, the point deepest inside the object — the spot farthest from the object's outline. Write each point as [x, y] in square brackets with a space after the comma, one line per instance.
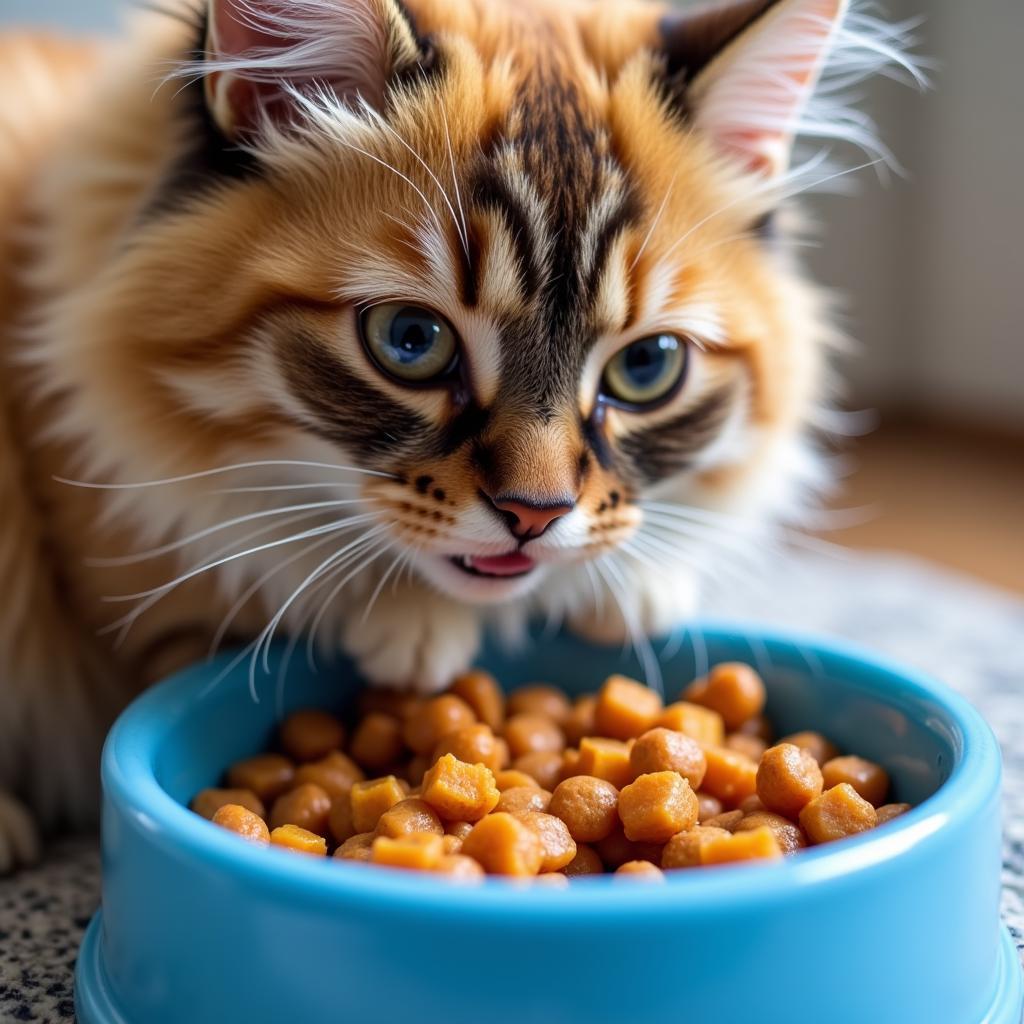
[129, 779]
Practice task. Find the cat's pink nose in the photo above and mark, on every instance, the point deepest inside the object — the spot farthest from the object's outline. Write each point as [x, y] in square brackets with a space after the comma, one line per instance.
[527, 520]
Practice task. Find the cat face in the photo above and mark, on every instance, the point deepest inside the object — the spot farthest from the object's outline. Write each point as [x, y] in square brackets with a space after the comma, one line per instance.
[514, 262]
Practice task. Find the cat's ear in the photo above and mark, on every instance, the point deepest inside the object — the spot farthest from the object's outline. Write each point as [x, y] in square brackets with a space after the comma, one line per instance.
[257, 51]
[751, 66]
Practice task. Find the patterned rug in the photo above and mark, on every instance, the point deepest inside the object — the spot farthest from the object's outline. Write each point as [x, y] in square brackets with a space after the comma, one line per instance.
[951, 627]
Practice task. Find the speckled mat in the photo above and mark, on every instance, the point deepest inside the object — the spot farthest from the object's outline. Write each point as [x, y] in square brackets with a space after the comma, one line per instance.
[961, 632]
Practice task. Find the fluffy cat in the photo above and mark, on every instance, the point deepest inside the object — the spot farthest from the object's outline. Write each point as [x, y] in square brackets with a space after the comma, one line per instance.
[382, 320]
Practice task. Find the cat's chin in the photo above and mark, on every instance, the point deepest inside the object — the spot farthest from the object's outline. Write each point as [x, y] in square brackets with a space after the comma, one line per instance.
[471, 583]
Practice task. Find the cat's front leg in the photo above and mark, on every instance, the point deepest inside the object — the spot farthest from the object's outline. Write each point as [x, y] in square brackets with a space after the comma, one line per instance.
[645, 603]
[19, 838]
[413, 638]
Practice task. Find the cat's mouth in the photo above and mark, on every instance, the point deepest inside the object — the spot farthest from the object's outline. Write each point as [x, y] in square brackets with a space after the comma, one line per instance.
[494, 566]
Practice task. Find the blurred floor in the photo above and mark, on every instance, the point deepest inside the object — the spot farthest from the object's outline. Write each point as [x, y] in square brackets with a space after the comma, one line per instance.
[955, 497]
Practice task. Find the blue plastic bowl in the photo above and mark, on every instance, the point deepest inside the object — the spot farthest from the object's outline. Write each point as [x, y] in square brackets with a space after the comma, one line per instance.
[897, 927]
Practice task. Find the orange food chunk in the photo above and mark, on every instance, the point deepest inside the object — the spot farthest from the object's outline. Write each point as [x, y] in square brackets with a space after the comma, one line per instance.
[727, 820]
[339, 820]
[504, 845]
[752, 746]
[586, 862]
[474, 744]
[308, 735]
[480, 691]
[839, 812]
[604, 759]
[357, 848]
[436, 718]
[732, 689]
[266, 775]
[815, 744]
[657, 806]
[208, 801]
[398, 704]
[545, 766]
[708, 806]
[665, 750]
[243, 822]
[460, 791]
[507, 778]
[539, 700]
[581, 720]
[588, 806]
[532, 733]
[523, 799]
[699, 723]
[409, 817]
[558, 847]
[571, 763]
[788, 835]
[640, 871]
[788, 778]
[458, 828]
[683, 849]
[625, 708]
[615, 849]
[335, 774]
[869, 779]
[377, 742]
[759, 728]
[730, 776]
[298, 840]
[417, 851]
[459, 868]
[757, 844]
[371, 799]
[307, 806]
[889, 811]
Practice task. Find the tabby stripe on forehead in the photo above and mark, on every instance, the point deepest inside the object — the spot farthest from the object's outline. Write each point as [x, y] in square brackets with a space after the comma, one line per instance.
[671, 447]
[625, 214]
[345, 409]
[491, 191]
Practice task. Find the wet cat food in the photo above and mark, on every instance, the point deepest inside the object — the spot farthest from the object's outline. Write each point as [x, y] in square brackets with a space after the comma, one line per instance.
[535, 786]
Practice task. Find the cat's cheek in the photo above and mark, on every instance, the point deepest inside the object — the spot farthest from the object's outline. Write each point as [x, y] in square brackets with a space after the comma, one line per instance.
[414, 641]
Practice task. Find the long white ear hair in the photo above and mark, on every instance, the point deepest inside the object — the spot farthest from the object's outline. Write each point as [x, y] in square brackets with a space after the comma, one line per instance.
[764, 73]
[262, 54]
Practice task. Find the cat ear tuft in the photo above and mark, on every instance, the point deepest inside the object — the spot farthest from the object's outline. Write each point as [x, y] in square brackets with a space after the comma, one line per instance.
[752, 66]
[259, 51]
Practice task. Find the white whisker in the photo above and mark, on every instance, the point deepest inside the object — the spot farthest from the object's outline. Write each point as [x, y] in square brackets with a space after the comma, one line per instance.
[372, 553]
[315, 532]
[164, 549]
[218, 470]
[333, 558]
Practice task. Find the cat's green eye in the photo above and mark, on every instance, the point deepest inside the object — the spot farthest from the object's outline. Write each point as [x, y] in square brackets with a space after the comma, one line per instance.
[413, 344]
[647, 372]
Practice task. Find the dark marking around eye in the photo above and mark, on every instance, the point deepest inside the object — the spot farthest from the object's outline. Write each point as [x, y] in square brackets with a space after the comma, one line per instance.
[343, 407]
[614, 498]
[593, 432]
[671, 447]
[423, 483]
[466, 425]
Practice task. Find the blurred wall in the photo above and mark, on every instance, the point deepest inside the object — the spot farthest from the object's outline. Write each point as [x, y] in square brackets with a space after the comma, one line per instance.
[931, 265]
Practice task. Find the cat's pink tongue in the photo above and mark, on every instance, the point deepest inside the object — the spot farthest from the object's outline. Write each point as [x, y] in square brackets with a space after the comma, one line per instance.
[502, 565]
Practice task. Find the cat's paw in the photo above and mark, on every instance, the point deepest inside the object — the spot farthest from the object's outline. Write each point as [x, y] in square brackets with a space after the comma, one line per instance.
[19, 838]
[415, 639]
[649, 605]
